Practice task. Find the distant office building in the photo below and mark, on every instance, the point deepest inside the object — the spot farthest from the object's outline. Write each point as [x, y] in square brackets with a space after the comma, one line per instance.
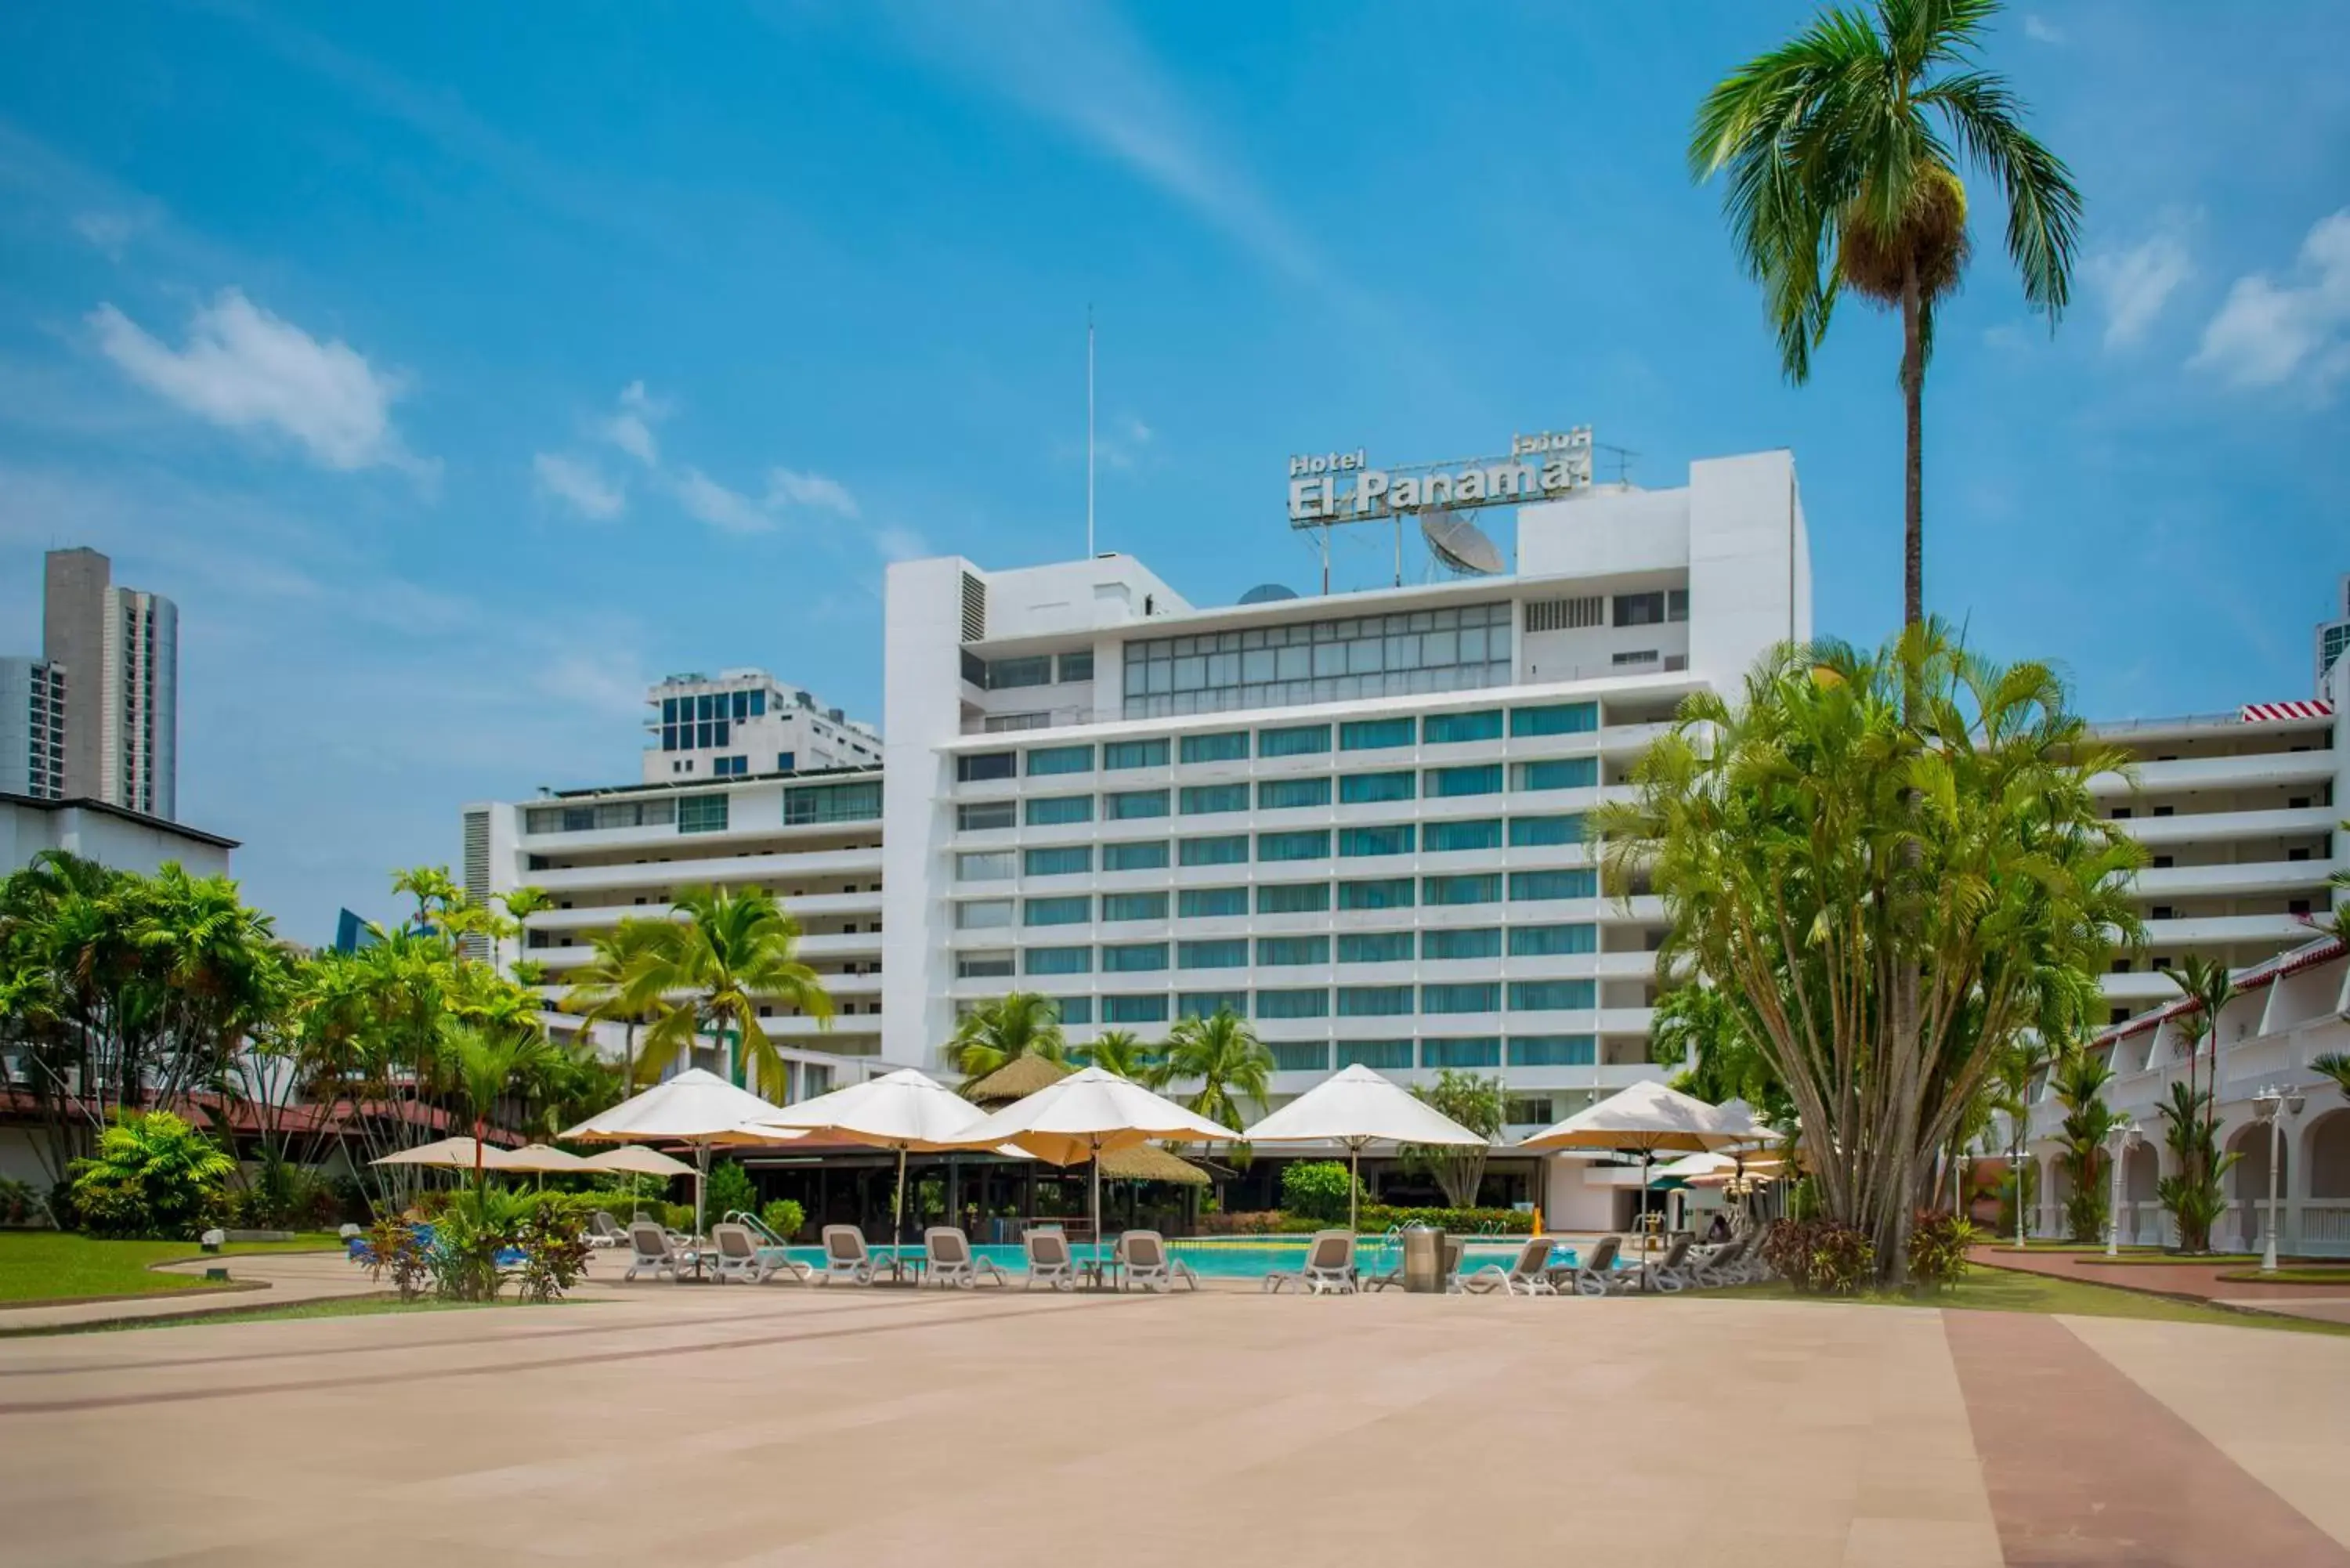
[32, 729]
[119, 650]
[745, 722]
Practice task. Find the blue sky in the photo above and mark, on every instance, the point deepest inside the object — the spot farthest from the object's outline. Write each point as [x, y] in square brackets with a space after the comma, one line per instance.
[460, 370]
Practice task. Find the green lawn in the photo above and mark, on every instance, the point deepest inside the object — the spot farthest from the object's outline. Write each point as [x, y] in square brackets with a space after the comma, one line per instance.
[54, 1265]
[2289, 1276]
[2011, 1290]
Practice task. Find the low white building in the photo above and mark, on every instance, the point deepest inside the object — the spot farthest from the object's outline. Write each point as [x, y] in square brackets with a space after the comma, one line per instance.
[112, 836]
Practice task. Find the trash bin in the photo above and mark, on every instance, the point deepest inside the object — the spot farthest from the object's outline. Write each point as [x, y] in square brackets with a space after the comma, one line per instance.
[1423, 1260]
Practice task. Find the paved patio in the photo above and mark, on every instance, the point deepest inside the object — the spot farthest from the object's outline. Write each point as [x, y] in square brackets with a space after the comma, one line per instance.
[785, 1424]
[2203, 1281]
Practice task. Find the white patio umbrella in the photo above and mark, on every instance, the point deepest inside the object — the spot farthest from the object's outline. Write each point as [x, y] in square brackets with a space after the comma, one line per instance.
[542, 1158]
[1354, 1108]
[1648, 1117]
[635, 1159]
[451, 1154]
[906, 1110]
[1084, 1114]
[694, 1107]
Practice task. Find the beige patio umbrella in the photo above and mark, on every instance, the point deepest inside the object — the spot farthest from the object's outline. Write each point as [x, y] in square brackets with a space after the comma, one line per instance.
[906, 1110]
[544, 1158]
[635, 1159]
[1357, 1107]
[1082, 1116]
[693, 1107]
[1646, 1118]
[451, 1154]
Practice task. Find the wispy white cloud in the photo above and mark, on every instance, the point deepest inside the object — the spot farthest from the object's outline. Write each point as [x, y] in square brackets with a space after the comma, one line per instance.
[631, 427]
[2271, 334]
[710, 502]
[578, 485]
[787, 489]
[1080, 67]
[2134, 283]
[246, 369]
[895, 542]
[111, 230]
[2041, 30]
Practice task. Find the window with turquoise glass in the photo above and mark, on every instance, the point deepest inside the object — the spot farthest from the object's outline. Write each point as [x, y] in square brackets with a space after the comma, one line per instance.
[1226, 746]
[1468, 998]
[1208, 903]
[1228, 953]
[1058, 961]
[1293, 897]
[1301, 1056]
[1205, 800]
[1483, 889]
[1393, 838]
[1315, 1003]
[1227, 851]
[1550, 995]
[1134, 906]
[1375, 1002]
[1374, 734]
[1076, 1010]
[1551, 1051]
[1145, 855]
[1130, 806]
[1556, 718]
[1313, 845]
[1447, 728]
[1281, 951]
[1383, 893]
[1565, 772]
[1381, 1055]
[1297, 741]
[1480, 832]
[1372, 789]
[1287, 794]
[1553, 941]
[1071, 911]
[1541, 886]
[1480, 942]
[1375, 947]
[1207, 1003]
[1151, 1009]
[1046, 760]
[1061, 862]
[1133, 957]
[1532, 832]
[1446, 783]
[1118, 754]
[1484, 1052]
[1058, 810]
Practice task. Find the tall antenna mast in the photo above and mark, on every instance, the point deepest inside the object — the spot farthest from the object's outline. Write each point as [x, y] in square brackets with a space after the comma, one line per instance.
[1089, 432]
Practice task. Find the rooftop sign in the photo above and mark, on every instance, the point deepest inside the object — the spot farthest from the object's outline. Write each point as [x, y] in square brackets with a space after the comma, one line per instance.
[1342, 487]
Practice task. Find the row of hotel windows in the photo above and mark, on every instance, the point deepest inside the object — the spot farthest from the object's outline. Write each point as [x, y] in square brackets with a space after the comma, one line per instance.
[1289, 741]
[1290, 898]
[1292, 849]
[1036, 669]
[1353, 947]
[1449, 649]
[1353, 1001]
[1282, 795]
[804, 806]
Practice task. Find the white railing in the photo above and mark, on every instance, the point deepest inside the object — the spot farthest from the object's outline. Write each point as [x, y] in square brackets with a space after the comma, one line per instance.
[2323, 1227]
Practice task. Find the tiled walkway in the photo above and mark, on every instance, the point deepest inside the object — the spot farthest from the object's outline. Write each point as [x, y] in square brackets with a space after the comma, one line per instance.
[787, 1425]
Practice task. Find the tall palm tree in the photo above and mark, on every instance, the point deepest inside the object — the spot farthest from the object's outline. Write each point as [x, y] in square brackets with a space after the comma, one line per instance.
[1122, 1051]
[995, 1035]
[1224, 1059]
[1841, 149]
[485, 1065]
[735, 950]
[611, 986]
[520, 904]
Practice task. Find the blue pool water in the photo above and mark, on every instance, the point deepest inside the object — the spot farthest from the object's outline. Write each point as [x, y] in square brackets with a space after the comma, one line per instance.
[1252, 1258]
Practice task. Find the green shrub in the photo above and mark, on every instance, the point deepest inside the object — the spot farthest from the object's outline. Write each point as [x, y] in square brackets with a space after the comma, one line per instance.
[1320, 1189]
[554, 1240]
[1938, 1250]
[1820, 1257]
[282, 1195]
[153, 1176]
[784, 1216]
[20, 1202]
[394, 1251]
[729, 1189]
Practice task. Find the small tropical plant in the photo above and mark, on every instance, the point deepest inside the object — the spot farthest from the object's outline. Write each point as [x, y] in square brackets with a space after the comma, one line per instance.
[2195, 1194]
[1938, 1250]
[2080, 1081]
[390, 1249]
[553, 1237]
[153, 1176]
[1476, 1104]
[784, 1216]
[2333, 1065]
[20, 1202]
[1321, 1189]
[1820, 1257]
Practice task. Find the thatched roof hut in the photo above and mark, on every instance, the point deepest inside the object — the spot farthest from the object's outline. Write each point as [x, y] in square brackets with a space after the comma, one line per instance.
[1149, 1162]
[1016, 1080]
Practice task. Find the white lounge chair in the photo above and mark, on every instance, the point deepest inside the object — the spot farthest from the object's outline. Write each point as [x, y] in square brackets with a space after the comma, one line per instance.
[1670, 1272]
[953, 1262]
[740, 1256]
[845, 1256]
[1723, 1265]
[1528, 1273]
[1049, 1260]
[1595, 1269]
[1329, 1267]
[603, 1230]
[653, 1250]
[1149, 1265]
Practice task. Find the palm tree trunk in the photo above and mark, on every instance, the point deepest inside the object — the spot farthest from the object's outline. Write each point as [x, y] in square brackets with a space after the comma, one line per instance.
[1913, 496]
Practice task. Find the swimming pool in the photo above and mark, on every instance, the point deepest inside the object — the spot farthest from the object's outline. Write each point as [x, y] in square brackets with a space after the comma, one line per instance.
[1251, 1258]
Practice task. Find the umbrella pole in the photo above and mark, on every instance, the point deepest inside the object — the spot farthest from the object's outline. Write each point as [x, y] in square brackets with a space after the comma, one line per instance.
[1353, 1183]
[898, 1215]
[1097, 1250]
[701, 1185]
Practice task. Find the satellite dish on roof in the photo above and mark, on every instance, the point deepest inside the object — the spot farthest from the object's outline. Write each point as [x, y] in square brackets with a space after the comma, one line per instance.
[1459, 544]
[1268, 593]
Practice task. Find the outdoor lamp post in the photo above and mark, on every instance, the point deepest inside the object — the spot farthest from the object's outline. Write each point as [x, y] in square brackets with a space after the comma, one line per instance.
[2274, 1103]
[2126, 1137]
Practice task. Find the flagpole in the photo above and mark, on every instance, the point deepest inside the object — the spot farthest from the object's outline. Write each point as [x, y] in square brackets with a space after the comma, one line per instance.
[1089, 432]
